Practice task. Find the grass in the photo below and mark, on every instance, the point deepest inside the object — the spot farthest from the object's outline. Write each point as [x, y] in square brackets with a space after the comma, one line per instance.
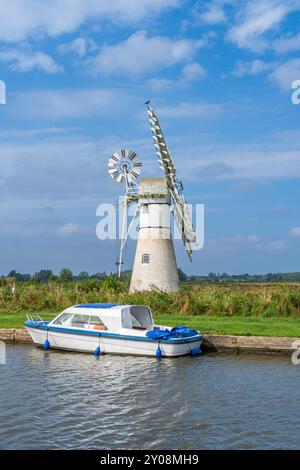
[244, 326]
[16, 320]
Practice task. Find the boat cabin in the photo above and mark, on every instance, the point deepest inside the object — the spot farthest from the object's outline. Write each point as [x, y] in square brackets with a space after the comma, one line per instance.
[105, 316]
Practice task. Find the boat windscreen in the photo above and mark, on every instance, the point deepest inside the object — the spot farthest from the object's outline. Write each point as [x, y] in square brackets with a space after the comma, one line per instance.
[141, 317]
[76, 320]
[64, 319]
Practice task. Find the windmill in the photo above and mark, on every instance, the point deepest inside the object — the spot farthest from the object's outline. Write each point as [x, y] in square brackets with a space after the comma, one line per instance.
[155, 262]
[125, 167]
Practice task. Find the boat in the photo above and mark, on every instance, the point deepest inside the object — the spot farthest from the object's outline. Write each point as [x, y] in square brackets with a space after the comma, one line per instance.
[101, 328]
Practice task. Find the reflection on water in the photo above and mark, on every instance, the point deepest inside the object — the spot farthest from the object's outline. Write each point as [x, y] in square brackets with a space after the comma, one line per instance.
[55, 400]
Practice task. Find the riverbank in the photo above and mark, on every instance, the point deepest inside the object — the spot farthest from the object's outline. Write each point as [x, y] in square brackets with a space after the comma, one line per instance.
[234, 334]
[207, 324]
[211, 343]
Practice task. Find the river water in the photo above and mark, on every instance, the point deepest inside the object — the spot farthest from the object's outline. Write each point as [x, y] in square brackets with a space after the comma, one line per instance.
[59, 400]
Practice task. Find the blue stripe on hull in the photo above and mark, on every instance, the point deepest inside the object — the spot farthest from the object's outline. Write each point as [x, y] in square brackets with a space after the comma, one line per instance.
[112, 335]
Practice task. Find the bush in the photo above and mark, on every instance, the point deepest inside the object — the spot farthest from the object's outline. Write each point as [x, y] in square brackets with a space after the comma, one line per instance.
[111, 284]
[270, 311]
[294, 300]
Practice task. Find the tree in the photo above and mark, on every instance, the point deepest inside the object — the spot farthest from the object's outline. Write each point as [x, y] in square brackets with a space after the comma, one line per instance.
[12, 274]
[66, 275]
[182, 276]
[44, 275]
[18, 276]
[212, 275]
[98, 275]
[83, 275]
[111, 283]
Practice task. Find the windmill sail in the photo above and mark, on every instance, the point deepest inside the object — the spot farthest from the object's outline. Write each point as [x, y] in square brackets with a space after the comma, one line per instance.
[181, 212]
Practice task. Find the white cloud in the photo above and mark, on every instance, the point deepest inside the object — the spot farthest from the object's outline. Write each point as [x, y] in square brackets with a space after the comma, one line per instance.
[254, 67]
[79, 46]
[63, 171]
[21, 19]
[253, 238]
[68, 229]
[252, 243]
[190, 110]
[273, 246]
[192, 72]
[260, 162]
[278, 211]
[24, 61]
[287, 44]
[214, 170]
[295, 232]
[140, 54]
[29, 133]
[258, 18]
[60, 104]
[51, 169]
[160, 84]
[212, 12]
[286, 73]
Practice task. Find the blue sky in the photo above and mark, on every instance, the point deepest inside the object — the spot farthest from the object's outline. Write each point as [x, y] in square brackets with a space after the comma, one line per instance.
[219, 75]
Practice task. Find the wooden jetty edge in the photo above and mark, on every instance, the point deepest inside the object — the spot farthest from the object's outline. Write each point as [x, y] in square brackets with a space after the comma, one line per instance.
[211, 343]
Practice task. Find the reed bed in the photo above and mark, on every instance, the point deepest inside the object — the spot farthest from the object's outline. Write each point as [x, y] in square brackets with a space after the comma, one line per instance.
[228, 300]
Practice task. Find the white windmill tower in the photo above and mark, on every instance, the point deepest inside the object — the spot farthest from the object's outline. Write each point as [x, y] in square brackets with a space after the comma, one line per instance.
[155, 263]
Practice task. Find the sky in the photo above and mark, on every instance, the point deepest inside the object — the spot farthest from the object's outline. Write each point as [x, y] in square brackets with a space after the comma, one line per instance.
[219, 76]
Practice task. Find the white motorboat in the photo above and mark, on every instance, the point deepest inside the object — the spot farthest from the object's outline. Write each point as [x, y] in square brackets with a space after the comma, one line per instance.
[113, 328]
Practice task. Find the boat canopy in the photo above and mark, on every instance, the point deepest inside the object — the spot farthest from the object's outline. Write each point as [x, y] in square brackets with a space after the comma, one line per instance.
[113, 316]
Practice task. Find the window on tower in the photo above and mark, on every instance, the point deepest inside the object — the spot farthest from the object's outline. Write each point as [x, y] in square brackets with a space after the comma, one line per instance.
[145, 258]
